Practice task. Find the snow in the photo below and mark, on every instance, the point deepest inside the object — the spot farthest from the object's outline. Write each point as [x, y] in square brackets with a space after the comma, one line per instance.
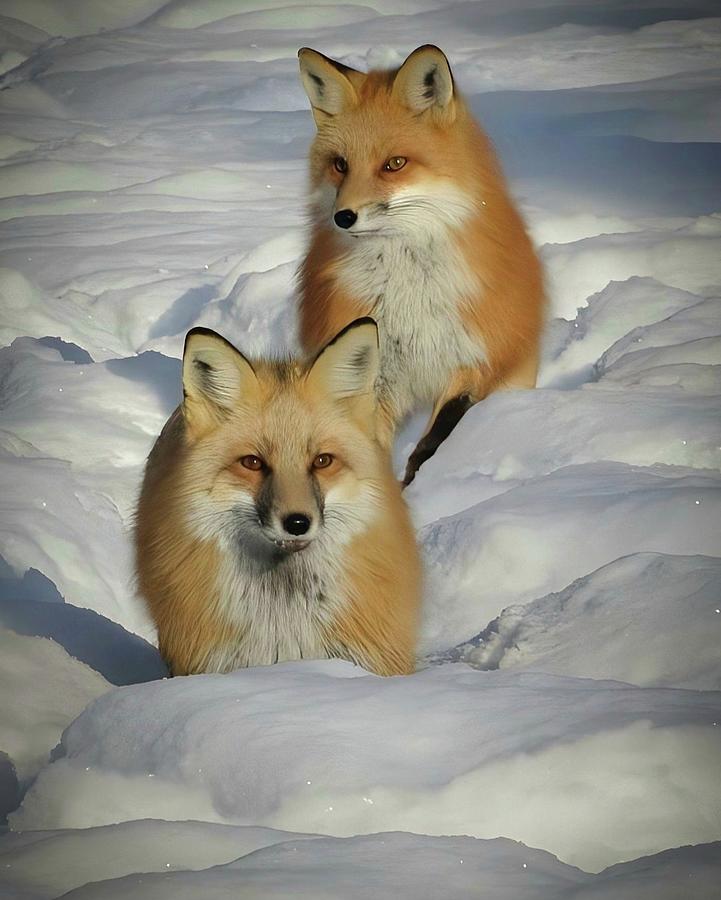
[32, 606]
[359, 868]
[35, 712]
[424, 868]
[152, 176]
[555, 771]
[51, 861]
[647, 619]
[447, 861]
[543, 533]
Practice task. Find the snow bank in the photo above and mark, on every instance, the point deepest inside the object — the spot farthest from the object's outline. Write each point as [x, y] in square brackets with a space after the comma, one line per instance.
[647, 619]
[79, 16]
[85, 477]
[545, 532]
[50, 863]
[35, 709]
[682, 258]
[534, 489]
[529, 435]
[595, 772]
[398, 865]
[608, 316]
[32, 606]
[63, 527]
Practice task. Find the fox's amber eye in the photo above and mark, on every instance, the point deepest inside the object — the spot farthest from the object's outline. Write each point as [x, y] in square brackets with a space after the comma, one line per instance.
[340, 164]
[395, 163]
[252, 462]
[322, 461]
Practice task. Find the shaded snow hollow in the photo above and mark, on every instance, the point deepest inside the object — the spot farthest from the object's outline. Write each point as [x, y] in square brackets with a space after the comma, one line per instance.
[152, 176]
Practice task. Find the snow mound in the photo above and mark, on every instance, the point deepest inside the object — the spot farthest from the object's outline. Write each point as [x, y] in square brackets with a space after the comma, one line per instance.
[681, 258]
[63, 526]
[692, 323]
[50, 863]
[647, 619]
[692, 366]
[37, 709]
[423, 868]
[530, 434]
[327, 747]
[80, 16]
[608, 316]
[32, 606]
[543, 533]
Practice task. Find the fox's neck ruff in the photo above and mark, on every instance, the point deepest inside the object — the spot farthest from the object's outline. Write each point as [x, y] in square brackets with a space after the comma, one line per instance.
[415, 284]
[282, 610]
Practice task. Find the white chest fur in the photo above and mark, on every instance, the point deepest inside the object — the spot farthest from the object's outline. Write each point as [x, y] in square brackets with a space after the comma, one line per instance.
[415, 289]
[282, 614]
[280, 608]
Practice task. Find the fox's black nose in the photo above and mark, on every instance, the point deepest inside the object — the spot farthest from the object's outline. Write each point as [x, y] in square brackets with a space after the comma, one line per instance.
[345, 218]
[296, 523]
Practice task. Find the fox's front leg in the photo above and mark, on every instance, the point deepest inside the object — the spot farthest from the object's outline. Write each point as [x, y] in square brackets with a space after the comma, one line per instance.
[464, 390]
[467, 389]
[446, 415]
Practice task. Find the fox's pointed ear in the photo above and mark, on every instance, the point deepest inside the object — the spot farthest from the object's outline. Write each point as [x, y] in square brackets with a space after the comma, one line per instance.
[215, 377]
[424, 81]
[328, 84]
[347, 367]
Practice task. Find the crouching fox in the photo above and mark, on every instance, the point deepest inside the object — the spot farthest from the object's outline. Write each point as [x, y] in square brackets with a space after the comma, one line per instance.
[270, 525]
[412, 223]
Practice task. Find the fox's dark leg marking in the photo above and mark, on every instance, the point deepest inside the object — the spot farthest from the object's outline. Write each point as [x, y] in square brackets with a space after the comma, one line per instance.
[449, 415]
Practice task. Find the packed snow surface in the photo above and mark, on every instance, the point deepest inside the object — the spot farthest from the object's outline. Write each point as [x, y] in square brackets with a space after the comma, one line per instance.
[434, 753]
[562, 738]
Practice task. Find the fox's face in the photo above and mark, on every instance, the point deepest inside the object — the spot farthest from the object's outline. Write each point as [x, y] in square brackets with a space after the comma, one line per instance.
[280, 457]
[387, 160]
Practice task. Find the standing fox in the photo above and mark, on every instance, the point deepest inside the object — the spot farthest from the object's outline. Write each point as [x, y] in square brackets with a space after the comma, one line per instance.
[412, 223]
[270, 526]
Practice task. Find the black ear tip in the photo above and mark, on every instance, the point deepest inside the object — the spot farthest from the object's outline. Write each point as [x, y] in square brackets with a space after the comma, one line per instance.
[364, 320]
[208, 332]
[434, 49]
[198, 331]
